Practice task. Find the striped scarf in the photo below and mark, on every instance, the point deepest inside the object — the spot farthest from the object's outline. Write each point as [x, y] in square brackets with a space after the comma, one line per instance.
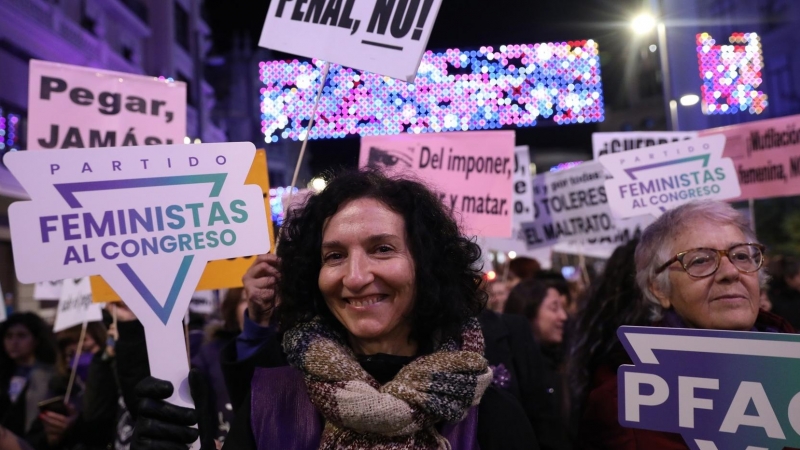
[361, 414]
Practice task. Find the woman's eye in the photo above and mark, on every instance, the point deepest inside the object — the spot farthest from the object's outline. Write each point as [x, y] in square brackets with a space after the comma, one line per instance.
[331, 257]
[384, 249]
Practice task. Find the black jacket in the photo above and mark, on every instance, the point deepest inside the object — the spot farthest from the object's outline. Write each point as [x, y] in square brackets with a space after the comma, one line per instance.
[509, 341]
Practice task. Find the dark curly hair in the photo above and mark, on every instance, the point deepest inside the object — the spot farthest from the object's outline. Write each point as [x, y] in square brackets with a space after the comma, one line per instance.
[45, 343]
[613, 300]
[446, 274]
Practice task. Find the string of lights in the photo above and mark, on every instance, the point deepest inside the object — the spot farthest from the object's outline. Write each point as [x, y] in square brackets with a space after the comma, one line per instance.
[731, 74]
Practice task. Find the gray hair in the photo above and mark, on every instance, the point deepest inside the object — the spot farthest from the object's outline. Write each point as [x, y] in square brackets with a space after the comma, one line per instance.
[655, 245]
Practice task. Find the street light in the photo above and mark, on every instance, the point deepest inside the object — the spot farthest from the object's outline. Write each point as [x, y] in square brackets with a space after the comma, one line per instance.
[689, 100]
[643, 23]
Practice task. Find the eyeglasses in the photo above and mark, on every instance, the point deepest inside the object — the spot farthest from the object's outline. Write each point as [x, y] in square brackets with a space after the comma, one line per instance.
[702, 262]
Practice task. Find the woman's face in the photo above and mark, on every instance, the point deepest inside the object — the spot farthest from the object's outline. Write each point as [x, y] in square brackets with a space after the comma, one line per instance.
[367, 276]
[20, 345]
[548, 326]
[725, 300]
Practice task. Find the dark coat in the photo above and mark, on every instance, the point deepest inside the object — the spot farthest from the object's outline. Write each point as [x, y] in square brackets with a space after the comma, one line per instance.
[599, 426]
[509, 342]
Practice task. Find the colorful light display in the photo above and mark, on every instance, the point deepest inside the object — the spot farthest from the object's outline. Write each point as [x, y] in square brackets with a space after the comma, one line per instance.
[731, 74]
[9, 131]
[514, 85]
[276, 203]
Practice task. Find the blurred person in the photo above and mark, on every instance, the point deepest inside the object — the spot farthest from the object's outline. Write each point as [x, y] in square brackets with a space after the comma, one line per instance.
[10, 441]
[26, 367]
[207, 361]
[378, 292]
[697, 266]
[522, 268]
[595, 351]
[544, 308]
[784, 289]
[498, 294]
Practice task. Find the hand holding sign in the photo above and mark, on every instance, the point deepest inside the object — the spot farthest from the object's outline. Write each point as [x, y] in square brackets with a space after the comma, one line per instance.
[184, 206]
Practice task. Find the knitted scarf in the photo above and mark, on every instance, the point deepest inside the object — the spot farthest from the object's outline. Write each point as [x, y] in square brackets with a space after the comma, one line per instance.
[361, 414]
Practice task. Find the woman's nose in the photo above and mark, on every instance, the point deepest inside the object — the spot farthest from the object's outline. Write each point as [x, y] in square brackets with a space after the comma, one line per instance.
[359, 273]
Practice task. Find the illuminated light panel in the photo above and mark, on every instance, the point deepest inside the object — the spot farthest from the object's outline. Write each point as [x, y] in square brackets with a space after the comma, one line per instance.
[731, 74]
[565, 166]
[487, 88]
[276, 203]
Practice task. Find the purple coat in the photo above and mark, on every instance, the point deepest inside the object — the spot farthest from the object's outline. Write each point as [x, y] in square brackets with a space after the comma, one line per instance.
[283, 417]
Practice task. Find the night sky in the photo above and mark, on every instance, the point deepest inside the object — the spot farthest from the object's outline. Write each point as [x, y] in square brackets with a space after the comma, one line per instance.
[471, 24]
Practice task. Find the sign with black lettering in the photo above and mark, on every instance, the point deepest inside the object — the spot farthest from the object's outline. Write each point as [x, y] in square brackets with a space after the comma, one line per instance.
[81, 107]
[766, 154]
[616, 142]
[472, 172]
[656, 179]
[75, 305]
[386, 37]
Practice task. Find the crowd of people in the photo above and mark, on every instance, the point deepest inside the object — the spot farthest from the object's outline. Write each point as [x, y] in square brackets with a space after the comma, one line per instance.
[374, 326]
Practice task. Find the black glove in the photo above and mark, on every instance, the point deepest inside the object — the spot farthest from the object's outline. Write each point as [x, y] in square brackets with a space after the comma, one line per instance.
[163, 426]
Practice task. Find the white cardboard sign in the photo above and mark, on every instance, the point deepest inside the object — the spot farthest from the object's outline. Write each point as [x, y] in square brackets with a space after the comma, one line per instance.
[576, 200]
[48, 290]
[471, 171]
[540, 232]
[655, 179]
[386, 37]
[523, 187]
[80, 107]
[75, 305]
[616, 142]
[184, 205]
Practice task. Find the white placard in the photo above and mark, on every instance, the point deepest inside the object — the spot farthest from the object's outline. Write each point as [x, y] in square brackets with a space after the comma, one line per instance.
[539, 233]
[655, 179]
[81, 107]
[185, 205]
[202, 302]
[577, 202]
[386, 37]
[616, 142]
[523, 188]
[75, 305]
[47, 290]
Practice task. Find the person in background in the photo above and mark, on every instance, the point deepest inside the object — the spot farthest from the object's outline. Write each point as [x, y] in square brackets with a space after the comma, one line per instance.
[498, 294]
[697, 266]
[544, 308]
[207, 361]
[522, 268]
[613, 300]
[27, 360]
[784, 289]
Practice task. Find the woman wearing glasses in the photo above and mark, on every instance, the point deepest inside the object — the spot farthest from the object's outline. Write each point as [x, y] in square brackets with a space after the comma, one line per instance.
[698, 266]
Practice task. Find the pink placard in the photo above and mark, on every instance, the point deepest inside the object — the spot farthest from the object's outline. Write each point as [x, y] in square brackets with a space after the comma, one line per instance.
[471, 171]
[766, 155]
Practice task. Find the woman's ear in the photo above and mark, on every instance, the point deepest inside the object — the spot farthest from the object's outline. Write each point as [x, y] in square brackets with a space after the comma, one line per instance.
[660, 295]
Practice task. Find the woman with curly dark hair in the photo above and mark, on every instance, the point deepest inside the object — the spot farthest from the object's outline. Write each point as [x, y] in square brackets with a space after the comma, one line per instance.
[379, 293]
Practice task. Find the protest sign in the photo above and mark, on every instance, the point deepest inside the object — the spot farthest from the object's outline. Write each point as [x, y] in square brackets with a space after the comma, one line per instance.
[576, 201]
[602, 246]
[470, 171]
[655, 179]
[47, 290]
[75, 305]
[729, 390]
[184, 205]
[616, 142]
[203, 302]
[540, 232]
[78, 107]
[384, 37]
[222, 274]
[766, 154]
[523, 187]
